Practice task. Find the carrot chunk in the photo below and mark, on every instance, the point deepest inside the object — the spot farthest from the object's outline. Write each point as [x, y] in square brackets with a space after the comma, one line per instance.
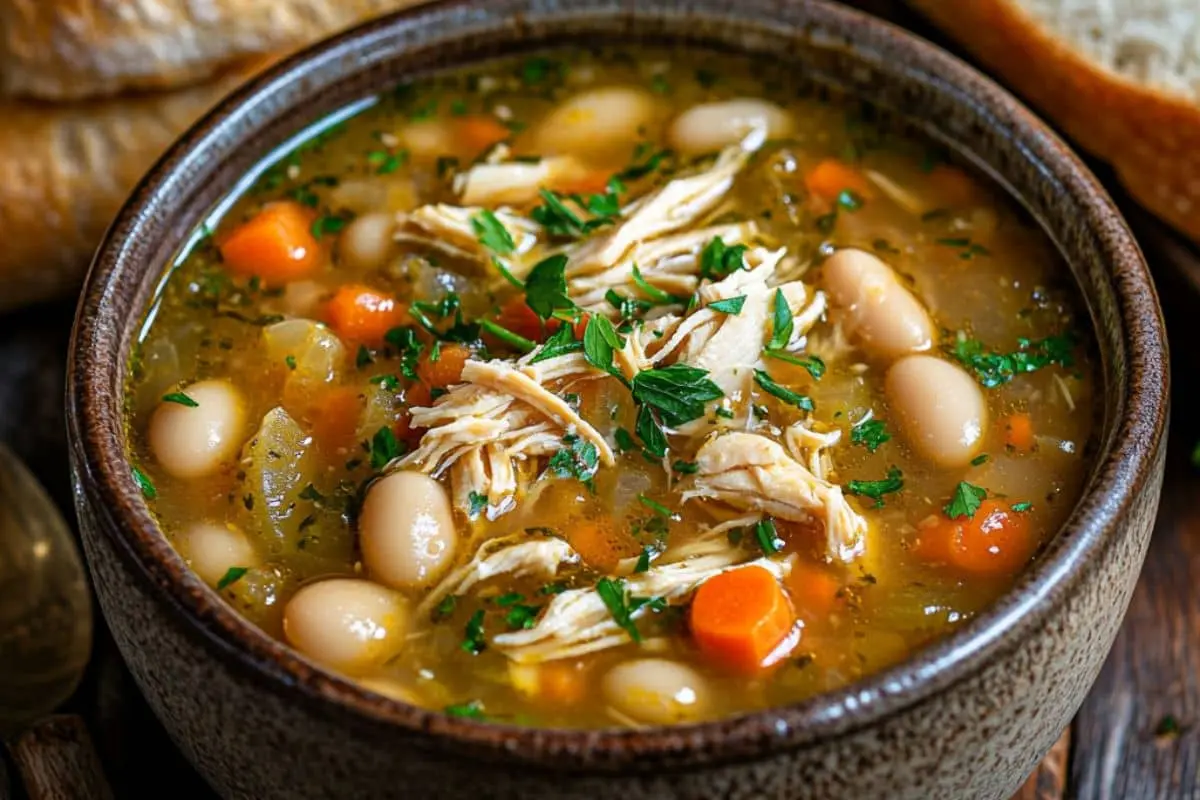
[335, 415]
[1018, 432]
[447, 369]
[416, 395]
[741, 618]
[831, 177]
[519, 318]
[364, 315]
[813, 589]
[478, 132]
[562, 683]
[276, 245]
[993, 541]
[590, 182]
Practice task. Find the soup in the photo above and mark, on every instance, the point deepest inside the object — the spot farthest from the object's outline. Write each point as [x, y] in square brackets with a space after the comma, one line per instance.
[587, 389]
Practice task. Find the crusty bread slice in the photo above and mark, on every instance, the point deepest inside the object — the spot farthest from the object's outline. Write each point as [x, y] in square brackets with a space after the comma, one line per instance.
[72, 49]
[1121, 77]
[65, 169]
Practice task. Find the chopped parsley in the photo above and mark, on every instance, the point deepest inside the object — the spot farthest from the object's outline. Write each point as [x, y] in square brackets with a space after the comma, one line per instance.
[491, 233]
[561, 343]
[782, 324]
[472, 709]
[290, 361]
[180, 398]
[719, 260]
[678, 393]
[876, 490]
[870, 433]
[686, 467]
[144, 483]
[445, 608]
[767, 536]
[993, 369]
[384, 448]
[558, 219]
[732, 305]
[1022, 507]
[624, 440]
[979, 459]
[538, 70]
[768, 385]
[520, 616]
[546, 287]
[965, 500]
[600, 342]
[622, 607]
[578, 459]
[815, 365]
[639, 169]
[514, 340]
[388, 383]
[328, 224]
[363, 357]
[849, 200]
[643, 562]
[655, 506]
[657, 296]
[232, 575]
[476, 504]
[386, 163]
[473, 641]
[553, 588]
[650, 431]
[969, 249]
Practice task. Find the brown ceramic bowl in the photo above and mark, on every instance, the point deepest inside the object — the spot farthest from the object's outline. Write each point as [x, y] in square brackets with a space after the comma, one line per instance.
[968, 717]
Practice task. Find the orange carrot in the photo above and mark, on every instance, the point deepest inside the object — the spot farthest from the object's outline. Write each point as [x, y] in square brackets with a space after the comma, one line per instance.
[830, 177]
[1018, 433]
[335, 415]
[416, 395]
[741, 618]
[591, 182]
[993, 541]
[519, 318]
[478, 132]
[364, 315]
[447, 369]
[600, 543]
[276, 244]
[562, 683]
[813, 589]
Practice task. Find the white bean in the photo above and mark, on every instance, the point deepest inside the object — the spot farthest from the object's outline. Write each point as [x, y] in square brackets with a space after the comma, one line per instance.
[880, 313]
[598, 121]
[656, 691]
[711, 126]
[427, 139]
[406, 530]
[192, 441]
[938, 407]
[211, 550]
[367, 241]
[349, 624]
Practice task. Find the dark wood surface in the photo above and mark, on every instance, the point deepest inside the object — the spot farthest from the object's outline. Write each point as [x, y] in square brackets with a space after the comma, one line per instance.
[1136, 737]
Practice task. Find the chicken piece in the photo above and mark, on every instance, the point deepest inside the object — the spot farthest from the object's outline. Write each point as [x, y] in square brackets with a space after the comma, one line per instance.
[514, 182]
[578, 621]
[676, 205]
[670, 264]
[750, 472]
[811, 447]
[515, 556]
[448, 228]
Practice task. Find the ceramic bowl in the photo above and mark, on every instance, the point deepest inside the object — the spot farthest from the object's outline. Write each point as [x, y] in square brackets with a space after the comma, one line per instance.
[969, 717]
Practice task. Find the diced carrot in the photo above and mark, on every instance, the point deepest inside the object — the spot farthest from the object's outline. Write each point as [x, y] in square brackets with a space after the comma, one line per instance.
[589, 182]
[813, 589]
[831, 177]
[952, 186]
[600, 543]
[580, 325]
[276, 245]
[1018, 432]
[562, 683]
[364, 315]
[519, 318]
[993, 541]
[447, 369]
[335, 415]
[478, 132]
[416, 395]
[741, 618]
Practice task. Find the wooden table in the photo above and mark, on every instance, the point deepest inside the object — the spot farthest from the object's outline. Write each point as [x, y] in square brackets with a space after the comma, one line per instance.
[1135, 738]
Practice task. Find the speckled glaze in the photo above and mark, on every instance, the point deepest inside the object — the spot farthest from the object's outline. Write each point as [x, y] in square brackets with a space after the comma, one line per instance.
[967, 718]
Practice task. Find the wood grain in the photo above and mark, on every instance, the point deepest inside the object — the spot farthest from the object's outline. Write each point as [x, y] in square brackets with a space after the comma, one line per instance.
[1049, 780]
[55, 760]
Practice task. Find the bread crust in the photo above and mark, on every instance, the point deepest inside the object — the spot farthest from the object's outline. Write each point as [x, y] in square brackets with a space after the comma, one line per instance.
[73, 49]
[65, 170]
[1151, 137]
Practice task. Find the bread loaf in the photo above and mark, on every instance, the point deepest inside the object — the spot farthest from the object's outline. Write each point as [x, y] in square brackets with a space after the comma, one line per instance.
[1121, 77]
[71, 49]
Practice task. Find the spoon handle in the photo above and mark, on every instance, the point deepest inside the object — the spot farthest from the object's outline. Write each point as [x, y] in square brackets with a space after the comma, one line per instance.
[56, 761]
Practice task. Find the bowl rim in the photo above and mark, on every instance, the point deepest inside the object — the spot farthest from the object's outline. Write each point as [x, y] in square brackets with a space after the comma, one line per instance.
[107, 492]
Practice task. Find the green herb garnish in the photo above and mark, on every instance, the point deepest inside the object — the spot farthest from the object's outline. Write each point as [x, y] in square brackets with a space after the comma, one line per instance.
[180, 398]
[473, 641]
[472, 709]
[876, 490]
[144, 483]
[513, 340]
[384, 448]
[546, 287]
[579, 459]
[732, 305]
[767, 536]
[232, 575]
[965, 501]
[678, 393]
[476, 504]
[993, 369]
[719, 260]
[768, 385]
[870, 433]
[491, 233]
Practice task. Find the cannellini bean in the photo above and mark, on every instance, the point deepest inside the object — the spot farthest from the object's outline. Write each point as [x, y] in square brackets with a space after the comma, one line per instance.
[211, 550]
[880, 313]
[596, 121]
[194, 441]
[938, 407]
[708, 127]
[349, 624]
[367, 241]
[406, 530]
[656, 691]
[426, 139]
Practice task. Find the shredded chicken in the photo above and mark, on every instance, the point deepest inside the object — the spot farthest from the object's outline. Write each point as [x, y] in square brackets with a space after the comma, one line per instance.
[448, 228]
[750, 472]
[513, 182]
[578, 622]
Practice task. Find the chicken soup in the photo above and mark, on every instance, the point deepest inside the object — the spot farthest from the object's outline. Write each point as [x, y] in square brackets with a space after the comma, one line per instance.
[594, 389]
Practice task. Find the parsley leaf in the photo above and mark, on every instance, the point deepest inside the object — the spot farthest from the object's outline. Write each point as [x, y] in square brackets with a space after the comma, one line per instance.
[1021, 507]
[686, 467]
[445, 608]
[655, 506]
[384, 448]
[491, 233]
[600, 341]
[180, 398]
[472, 709]
[719, 260]
[546, 287]
[622, 607]
[782, 324]
[650, 431]
[870, 433]
[144, 483]
[732, 305]
[677, 392]
[993, 369]
[641, 169]
[965, 501]
[514, 340]
[560, 344]
[476, 504]
[656, 295]
[558, 219]
[474, 642]
[814, 364]
[768, 385]
[577, 459]
[232, 575]
[875, 490]
[982, 458]
[328, 224]
[521, 617]
[767, 537]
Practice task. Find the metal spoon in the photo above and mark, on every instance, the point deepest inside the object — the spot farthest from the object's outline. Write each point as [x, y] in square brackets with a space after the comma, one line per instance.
[46, 618]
